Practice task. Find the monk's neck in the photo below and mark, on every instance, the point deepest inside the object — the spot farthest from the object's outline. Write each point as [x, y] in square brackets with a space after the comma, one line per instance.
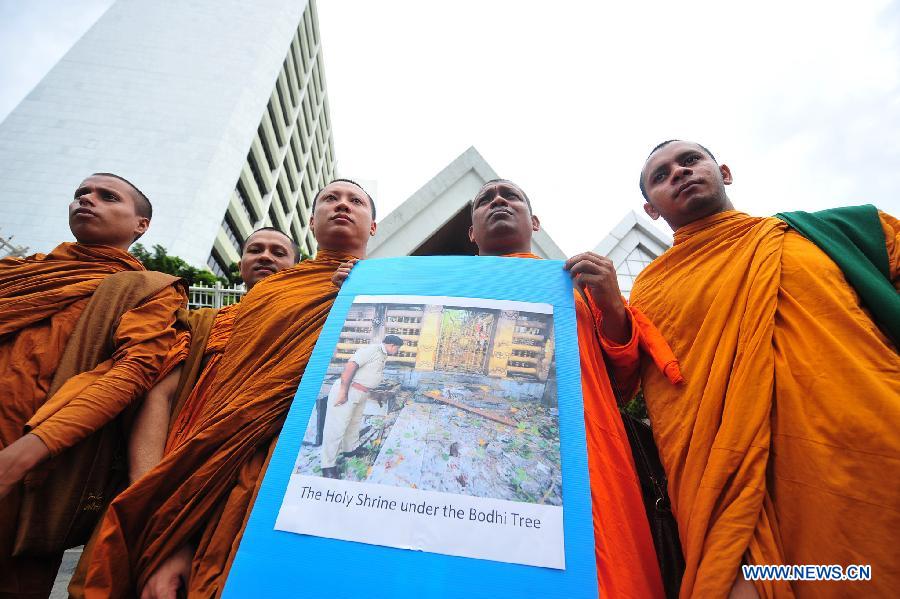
[707, 222]
[507, 251]
[324, 253]
[105, 246]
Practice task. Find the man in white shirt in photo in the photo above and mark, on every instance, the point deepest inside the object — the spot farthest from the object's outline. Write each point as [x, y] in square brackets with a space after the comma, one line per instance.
[347, 400]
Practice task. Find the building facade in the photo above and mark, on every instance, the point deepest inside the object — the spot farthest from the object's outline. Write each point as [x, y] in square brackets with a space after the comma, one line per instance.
[216, 109]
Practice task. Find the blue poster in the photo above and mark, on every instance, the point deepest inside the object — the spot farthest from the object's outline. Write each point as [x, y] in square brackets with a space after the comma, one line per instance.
[435, 446]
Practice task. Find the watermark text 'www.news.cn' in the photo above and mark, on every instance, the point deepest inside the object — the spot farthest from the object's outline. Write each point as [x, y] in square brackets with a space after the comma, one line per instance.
[808, 572]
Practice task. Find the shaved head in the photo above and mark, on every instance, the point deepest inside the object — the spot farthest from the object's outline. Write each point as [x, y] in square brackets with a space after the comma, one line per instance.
[293, 245]
[351, 182]
[142, 203]
[660, 146]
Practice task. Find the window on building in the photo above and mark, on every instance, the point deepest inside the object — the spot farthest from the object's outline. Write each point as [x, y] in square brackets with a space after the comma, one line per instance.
[232, 233]
[275, 128]
[280, 94]
[257, 176]
[282, 198]
[252, 216]
[274, 219]
[216, 264]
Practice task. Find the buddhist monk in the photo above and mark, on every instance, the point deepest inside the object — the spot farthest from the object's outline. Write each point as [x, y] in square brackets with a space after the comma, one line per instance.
[175, 397]
[179, 526]
[608, 329]
[782, 446]
[83, 333]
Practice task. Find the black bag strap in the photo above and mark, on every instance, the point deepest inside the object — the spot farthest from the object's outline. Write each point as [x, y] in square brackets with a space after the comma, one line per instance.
[662, 498]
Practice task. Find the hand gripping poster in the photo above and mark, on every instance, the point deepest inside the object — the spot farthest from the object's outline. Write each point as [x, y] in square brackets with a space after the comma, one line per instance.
[435, 446]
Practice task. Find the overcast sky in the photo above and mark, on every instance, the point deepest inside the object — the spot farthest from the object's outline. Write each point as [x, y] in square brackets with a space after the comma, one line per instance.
[800, 99]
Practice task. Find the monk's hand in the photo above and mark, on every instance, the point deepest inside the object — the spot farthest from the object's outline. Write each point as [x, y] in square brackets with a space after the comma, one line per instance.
[173, 574]
[18, 459]
[343, 271]
[596, 274]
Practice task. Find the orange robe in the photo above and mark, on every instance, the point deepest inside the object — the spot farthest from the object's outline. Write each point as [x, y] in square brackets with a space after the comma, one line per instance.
[626, 559]
[41, 299]
[782, 447]
[202, 491]
[219, 334]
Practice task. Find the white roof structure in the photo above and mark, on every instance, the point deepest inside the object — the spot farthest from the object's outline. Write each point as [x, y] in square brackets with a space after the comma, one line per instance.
[632, 245]
[435, 219]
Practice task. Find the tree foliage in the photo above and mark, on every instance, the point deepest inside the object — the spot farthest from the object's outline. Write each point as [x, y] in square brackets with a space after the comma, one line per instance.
[636, 407]
[161, 261]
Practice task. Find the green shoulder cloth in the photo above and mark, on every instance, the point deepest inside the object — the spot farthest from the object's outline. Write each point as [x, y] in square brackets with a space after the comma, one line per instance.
[854, 239]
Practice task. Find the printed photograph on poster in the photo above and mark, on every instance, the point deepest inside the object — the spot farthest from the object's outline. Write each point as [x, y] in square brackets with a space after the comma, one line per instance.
[441, 408]
[450, 398]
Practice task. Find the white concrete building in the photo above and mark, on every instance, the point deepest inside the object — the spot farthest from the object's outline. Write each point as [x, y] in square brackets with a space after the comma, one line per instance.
[216, 109]
[435, 221]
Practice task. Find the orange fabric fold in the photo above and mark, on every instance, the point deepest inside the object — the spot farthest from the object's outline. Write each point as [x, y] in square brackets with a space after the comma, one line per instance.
[176, 354]
[219, 334]
[625, 556]
[192, 495]
[39, 286]
[777, 445]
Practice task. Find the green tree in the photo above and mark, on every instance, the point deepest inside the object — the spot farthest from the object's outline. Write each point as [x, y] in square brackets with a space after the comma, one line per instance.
[161, 261]
[636, 407]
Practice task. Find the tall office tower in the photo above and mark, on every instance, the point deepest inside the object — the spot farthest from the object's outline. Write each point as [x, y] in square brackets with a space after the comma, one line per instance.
[216, 109]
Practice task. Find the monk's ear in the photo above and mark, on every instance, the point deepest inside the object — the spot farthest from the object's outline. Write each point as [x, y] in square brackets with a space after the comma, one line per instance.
[651, 211]
[472, 233]
[372, 229]
[142, 225]
[726, 174]
[535, 223]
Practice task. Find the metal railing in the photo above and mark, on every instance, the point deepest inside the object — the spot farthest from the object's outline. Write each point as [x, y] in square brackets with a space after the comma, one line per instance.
[9, 249]
[201, 296]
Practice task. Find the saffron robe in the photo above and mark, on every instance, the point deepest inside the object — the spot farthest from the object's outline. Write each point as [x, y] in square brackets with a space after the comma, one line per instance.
[782, 446]
[199, 344]
[624, 552]
[193, 385]
[202, 491]
[41, 300]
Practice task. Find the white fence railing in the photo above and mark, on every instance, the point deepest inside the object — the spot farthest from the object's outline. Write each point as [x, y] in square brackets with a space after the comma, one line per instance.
[201, 296]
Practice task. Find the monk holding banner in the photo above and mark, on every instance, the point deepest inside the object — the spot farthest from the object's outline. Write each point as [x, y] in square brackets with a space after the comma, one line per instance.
[782, 446]
[608, 329]
[83, 333]
[179, 526]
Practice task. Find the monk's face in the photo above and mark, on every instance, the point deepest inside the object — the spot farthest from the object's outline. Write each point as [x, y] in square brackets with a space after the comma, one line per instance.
[502, 222]
[684, 184]
[265, 253]
[104, 212]
[342, 220]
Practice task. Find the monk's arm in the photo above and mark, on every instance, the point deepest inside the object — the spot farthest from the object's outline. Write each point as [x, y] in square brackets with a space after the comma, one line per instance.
[891, 227]
[622, 358]
[172, 575]
[144, 336]
[17, 459]
[597, 276]
[151, 424]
